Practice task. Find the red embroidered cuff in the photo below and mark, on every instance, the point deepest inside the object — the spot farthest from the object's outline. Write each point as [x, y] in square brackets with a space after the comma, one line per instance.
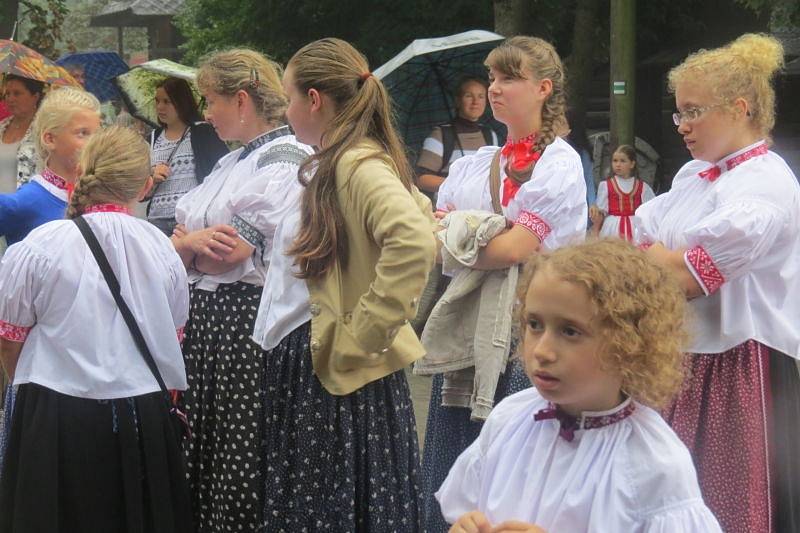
[534, 224]
[181, 335]
[704, 269]
[10, 332]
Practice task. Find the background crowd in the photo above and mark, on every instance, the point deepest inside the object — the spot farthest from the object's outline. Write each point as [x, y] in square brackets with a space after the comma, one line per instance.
[236, 359]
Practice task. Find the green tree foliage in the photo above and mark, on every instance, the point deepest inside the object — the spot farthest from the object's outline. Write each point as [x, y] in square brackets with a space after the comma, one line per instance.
[380, 28]
[45, 28]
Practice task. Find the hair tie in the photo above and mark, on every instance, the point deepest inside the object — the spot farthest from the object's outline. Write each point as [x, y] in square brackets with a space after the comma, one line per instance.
[364, 76]
[255, 81]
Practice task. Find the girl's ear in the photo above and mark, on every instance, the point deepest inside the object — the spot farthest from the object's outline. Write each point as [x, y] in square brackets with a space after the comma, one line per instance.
[315, 98]
[145, 190]
[48, 140]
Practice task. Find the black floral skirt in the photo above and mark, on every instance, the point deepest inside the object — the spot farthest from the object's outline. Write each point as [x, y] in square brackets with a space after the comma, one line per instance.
[224, 401]
[336, 463]
[75, 464]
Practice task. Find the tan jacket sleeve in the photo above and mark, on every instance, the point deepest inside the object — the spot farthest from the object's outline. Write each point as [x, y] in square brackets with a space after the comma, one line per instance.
[400, 224]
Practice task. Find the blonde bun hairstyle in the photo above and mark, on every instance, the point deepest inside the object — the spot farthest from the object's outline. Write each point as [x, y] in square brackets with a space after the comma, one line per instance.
[744, 68]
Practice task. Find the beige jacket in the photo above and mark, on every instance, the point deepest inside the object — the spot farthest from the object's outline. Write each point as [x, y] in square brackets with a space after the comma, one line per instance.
[359, 326]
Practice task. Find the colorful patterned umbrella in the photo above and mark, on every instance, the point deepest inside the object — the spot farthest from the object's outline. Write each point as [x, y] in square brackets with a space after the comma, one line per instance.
[138, 86]
[22, 61]
[99, 70]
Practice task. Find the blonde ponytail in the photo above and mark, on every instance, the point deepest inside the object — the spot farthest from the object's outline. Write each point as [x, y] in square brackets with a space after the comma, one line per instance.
[363, 112]
[115, 165]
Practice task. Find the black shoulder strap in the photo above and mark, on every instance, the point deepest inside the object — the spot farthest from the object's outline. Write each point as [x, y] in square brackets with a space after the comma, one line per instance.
[448, 142]
[113, 285]
[488, 135]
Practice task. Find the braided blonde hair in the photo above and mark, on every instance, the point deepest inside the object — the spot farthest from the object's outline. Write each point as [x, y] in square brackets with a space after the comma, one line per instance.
[743, 68]
[56, 110]
[240, 69]
[523, 57]
[115, 165]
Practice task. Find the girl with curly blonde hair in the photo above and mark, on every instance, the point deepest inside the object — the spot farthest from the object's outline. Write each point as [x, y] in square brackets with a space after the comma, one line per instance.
[603, 332]
[728, 230]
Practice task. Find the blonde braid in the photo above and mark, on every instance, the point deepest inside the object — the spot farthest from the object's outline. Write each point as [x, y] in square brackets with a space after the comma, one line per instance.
[82, 196]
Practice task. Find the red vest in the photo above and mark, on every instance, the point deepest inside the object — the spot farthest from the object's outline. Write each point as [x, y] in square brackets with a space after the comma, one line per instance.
[624, 205]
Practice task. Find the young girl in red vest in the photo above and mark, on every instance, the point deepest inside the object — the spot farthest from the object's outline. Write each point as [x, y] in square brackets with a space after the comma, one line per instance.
[619, 196]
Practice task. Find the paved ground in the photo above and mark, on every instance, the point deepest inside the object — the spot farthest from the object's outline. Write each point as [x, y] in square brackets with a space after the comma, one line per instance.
[420, 395]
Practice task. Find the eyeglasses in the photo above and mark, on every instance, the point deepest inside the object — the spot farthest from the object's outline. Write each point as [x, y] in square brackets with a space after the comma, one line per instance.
[691, 114]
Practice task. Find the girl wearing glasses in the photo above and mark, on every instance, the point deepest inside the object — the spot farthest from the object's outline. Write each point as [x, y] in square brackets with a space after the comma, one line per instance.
[727, 229]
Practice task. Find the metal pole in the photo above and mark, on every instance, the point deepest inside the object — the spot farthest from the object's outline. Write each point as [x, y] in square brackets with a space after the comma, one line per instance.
[623, 71]
[120, 47]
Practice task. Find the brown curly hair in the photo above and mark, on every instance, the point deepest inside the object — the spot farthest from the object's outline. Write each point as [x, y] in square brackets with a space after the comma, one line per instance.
[639, 308]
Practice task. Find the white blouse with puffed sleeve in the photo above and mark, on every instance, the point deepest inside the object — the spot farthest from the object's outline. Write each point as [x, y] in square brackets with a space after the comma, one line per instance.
[551, 205]
[739, 230]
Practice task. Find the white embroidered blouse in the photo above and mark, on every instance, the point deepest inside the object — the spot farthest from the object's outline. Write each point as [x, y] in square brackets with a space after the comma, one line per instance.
[54, 298]
[739, 225]
[551, 205]
[243, 190]
[622, 470]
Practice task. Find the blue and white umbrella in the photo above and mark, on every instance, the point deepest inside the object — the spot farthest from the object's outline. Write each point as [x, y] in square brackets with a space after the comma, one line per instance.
[99, 70]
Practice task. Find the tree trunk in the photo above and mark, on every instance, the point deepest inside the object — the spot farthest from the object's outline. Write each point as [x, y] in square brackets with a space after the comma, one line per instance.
[511, 17]
[8, 15]
[581, 62]
[623, 71]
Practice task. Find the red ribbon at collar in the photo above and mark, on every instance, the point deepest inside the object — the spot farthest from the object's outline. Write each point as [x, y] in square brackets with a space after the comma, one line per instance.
[711, 173]
[520, 153]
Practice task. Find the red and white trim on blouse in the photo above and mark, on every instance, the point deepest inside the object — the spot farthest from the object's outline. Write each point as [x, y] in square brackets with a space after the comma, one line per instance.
[645, 245]
[54, 179]
[533, 223]
[181, 334]
[107, 208]
[706, 272]
[13, 333]
[715, 171]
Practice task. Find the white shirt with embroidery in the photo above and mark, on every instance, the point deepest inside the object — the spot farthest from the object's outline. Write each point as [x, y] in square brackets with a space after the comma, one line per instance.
[246, 194]
[551, 205]
[54, 298]
[633, 475]
[743, 248]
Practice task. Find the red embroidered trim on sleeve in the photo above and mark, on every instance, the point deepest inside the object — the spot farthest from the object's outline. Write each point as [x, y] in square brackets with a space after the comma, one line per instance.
[534, 224]
[13, 333]
[706, 270]
[645, 245]
[181, 335]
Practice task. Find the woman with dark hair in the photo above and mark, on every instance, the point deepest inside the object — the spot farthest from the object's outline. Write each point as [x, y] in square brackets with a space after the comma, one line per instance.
[183, 150]
[17, 148]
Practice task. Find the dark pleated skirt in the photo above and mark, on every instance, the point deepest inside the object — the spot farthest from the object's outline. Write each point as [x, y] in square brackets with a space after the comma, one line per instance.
[78, 465]
[5, 423]
[449, 432]
[336, 463]
[223, 403]
[738, 414]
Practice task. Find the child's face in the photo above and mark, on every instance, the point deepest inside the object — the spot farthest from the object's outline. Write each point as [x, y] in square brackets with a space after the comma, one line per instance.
[66, 142]
[622, 165]
[562, 342]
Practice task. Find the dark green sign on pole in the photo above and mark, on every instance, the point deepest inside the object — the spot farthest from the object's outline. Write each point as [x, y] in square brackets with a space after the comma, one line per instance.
[623, 71]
